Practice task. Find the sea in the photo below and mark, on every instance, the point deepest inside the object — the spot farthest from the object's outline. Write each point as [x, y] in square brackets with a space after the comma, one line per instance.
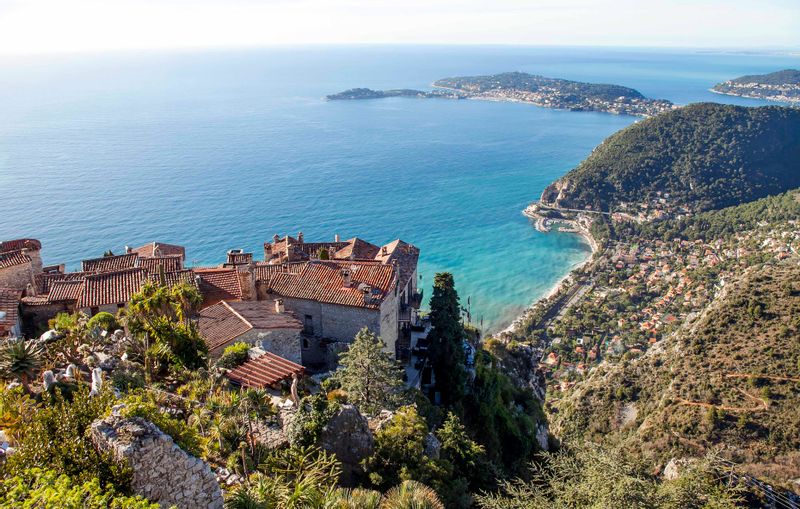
[222, 149]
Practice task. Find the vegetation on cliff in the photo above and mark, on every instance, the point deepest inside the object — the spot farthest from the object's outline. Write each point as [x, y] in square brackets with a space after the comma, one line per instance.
[704, 156]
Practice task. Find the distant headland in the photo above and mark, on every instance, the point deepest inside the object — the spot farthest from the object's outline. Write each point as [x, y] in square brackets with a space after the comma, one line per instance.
[781, 86]
[529, 88]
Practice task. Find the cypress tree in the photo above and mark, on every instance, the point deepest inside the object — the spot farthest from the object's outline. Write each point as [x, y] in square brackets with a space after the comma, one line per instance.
[446, 340]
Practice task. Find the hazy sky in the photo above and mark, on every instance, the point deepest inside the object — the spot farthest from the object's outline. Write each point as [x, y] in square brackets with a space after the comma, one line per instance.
[29, 26]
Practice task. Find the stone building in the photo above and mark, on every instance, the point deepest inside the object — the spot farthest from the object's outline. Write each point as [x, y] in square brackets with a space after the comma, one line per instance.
[109, 291]
[20, 262]
[357, 284]
[265, 324]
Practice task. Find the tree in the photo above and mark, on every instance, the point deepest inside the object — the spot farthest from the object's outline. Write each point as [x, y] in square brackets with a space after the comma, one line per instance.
[446, 340]
[20, 359]
[369, 375]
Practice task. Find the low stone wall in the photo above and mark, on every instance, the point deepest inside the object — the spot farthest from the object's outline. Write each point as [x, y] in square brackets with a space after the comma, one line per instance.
[162, 471]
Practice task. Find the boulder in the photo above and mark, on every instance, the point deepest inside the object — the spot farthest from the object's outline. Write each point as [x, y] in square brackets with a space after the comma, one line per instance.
[347, 435]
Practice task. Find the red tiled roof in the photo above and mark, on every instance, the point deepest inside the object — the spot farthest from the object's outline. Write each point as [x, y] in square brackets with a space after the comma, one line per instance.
[9, 309]
[323, 281]
[19, 244]
[357, 249]
[13, 258]
[110, 263]
[111, 287]
[45, 281]
[219, 325]
[156, 249]
[171, 263]
[223, 322]
[219, 284]
[175, 277]
[65, 290]
[265, 370]
[265, 272]
[402, 253]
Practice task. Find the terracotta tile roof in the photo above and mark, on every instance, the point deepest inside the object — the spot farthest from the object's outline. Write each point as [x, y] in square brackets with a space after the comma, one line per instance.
[323, 281]
[110, 263]
[175, 277]
[45, 281]
[261, 315]
[223, 322]
[265, 272]
[156, 249]
[9, 309]
[171, 263]
[13, 258]
[219, 325]
[402, 253]
[19, 244]
[36, 300]
[265, 370]
[61, 291]
[219, 284]
[357, 249]
[111, 287]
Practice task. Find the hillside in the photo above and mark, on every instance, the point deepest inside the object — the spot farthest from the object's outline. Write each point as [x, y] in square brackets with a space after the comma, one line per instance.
[730, 377]
[786, 76]
[705, 156]
[783, 86]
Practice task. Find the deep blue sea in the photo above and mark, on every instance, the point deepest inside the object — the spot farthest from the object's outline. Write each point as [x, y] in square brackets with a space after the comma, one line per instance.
[222, 149]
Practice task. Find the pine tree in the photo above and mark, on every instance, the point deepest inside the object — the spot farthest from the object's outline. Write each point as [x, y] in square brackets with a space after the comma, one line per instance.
[369, 375]
[447, 340]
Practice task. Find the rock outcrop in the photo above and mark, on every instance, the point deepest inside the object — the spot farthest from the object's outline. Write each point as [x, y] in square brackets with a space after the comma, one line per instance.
[162, 471]
[347, 435]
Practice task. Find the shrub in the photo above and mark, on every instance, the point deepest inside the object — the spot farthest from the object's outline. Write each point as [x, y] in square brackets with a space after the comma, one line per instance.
[47, 488]
[103, 321]
[142, 405]
[234, 355]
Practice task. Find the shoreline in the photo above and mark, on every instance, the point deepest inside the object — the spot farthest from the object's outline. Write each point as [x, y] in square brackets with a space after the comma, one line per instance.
[792, 103]
[558, 286]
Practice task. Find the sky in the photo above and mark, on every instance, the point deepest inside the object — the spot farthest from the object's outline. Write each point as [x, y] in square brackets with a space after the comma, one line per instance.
[44, 26]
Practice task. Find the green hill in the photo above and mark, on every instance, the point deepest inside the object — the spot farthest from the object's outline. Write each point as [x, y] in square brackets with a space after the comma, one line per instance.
[706, 156]
[784, 77]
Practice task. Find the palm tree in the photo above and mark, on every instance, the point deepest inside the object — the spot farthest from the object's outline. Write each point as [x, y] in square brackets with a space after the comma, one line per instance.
[411, 495]
[20, 359]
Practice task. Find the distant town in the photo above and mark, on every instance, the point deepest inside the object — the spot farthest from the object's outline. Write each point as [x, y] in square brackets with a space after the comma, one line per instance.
[532, 89]
[781, 86]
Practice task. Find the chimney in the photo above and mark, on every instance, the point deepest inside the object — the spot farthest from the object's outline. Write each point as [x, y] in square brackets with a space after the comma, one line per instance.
[251, 280]
[300, 237]
[197, 280]
[347, 277]
[128, 250]
[279, 307]
[336, 237]
[275, 238]
[383, 250]
[288, 250]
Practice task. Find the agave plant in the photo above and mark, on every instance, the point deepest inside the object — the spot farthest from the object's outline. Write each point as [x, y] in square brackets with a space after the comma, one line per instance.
[411, 495]
[358, 498]
[20, 360]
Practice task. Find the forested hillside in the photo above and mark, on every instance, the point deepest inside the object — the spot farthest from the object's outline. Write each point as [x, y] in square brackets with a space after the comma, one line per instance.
[704, 156]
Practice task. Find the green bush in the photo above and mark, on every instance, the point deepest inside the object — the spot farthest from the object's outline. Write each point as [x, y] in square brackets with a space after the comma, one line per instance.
[38, 488]
[56, 434]
[234, 355]
[103, 321]
[143, 405]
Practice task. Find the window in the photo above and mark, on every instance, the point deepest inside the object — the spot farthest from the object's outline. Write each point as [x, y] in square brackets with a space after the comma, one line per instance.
[308, 325]
[305, 344]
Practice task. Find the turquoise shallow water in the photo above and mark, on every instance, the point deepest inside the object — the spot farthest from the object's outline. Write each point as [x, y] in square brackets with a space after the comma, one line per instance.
[216, 150]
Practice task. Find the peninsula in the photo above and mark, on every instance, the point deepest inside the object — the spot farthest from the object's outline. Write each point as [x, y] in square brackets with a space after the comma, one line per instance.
[783, 86]
[533, 89]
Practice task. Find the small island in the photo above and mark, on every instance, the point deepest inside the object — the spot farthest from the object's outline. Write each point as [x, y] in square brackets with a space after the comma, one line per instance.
[782, 86]
[529, 88]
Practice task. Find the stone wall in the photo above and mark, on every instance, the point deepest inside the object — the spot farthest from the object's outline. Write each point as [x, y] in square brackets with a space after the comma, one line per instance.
[283, 342]
[17, 276]
[162, 471]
